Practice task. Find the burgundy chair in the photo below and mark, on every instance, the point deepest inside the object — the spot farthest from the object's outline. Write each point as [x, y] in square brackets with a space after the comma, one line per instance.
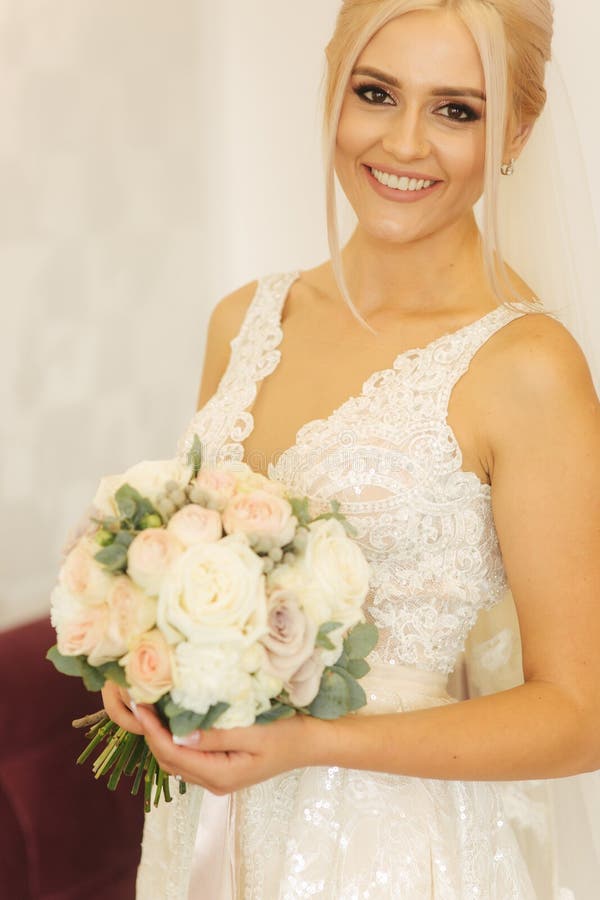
[63, 835]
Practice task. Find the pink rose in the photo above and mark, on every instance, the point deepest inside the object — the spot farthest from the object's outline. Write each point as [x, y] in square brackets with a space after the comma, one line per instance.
[130, 613]
[291, 637]
[149, 667]
[149, 557]
[82, 576]
[303, 687]
[81, 633]
[216, 486]
[194, 524]
[264, 517]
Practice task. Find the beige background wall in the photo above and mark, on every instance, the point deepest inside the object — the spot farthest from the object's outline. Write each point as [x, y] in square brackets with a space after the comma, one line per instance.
[153, 156]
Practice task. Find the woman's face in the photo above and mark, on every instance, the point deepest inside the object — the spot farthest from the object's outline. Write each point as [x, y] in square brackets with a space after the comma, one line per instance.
[414, 111]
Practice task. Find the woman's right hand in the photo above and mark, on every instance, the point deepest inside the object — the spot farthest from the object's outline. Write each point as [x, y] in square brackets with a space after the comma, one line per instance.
[116, 704]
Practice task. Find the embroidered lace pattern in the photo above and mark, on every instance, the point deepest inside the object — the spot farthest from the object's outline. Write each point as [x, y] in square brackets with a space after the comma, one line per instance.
[390, 458]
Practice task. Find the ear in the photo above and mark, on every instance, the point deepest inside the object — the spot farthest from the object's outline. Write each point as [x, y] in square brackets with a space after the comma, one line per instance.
[518, 140]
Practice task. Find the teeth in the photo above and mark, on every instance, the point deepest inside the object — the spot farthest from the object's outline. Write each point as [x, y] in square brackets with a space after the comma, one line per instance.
[400, 184]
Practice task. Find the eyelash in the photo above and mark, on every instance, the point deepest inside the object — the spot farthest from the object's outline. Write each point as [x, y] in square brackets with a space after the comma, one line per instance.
[364, 89]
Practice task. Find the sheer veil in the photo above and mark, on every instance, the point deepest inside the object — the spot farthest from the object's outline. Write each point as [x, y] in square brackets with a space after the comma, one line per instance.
[549, 237]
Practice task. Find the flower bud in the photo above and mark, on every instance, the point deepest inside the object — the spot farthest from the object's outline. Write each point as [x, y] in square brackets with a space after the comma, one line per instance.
[152, 520]
[104, 537]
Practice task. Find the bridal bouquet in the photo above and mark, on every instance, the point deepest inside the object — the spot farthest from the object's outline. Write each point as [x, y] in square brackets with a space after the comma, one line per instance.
[215, 596]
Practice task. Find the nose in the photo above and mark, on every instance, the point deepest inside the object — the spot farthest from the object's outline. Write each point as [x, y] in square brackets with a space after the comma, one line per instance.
[406, 138]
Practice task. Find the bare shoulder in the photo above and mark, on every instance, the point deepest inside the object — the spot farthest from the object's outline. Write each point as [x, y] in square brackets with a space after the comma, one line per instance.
[535, 376]
[224, 323]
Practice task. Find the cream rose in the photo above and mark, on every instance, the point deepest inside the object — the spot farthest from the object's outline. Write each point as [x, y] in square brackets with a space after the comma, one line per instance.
[130, 613]
[149, 667]
[249, 481]
[148, 477]
[304, 685]
[214, 592]
[82, 576]
[337, 574]
[290, 640]
[80, 628]
[194, 524]
[151, 553]
[217, 486]
[266, 518]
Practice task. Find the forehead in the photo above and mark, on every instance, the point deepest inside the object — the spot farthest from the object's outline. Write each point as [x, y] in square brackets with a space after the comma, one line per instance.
[428, 47]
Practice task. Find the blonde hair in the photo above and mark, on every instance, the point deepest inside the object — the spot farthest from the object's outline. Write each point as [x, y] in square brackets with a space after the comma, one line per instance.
[514, 40]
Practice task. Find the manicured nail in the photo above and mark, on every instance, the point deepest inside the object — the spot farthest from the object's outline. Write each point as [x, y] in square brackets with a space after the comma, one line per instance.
[190, 740]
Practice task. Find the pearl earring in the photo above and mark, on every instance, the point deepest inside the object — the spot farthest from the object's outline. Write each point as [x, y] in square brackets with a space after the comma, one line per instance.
[508, 168]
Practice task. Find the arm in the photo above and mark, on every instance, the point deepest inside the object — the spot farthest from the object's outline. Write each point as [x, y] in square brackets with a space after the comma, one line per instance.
[543, 424]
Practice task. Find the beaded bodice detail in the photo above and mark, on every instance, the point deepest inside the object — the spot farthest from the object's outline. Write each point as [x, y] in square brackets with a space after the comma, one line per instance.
[392, 461]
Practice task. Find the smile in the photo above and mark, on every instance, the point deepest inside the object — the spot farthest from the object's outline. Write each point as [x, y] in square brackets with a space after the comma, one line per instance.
[400, 184]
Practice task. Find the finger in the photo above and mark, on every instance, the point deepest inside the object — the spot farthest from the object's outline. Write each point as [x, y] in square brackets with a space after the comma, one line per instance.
[117, 710]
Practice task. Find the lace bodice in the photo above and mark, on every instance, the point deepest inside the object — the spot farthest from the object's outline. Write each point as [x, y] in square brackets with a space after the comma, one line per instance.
[389, 456]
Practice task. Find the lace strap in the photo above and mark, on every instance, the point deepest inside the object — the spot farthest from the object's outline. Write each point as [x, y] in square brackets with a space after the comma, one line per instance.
[458, 353]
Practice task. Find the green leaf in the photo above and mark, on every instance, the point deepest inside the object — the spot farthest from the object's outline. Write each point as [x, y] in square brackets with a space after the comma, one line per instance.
[126, 503]
[356, 695]
[67, 665]
[333, 699]
[300, 508]
[213, 714]
[357, 667]
[322, 640]
[185, 723]
[361, 640]
[124, 538]
[93, 678]
[112, 671]
[278, 711]
[113, 558]
[194, 457]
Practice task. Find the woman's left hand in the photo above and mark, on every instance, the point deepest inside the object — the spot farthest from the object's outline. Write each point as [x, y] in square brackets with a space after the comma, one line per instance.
[225, 760]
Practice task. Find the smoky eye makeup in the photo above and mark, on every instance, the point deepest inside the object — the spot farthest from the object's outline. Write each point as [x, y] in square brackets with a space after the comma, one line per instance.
[376, 95]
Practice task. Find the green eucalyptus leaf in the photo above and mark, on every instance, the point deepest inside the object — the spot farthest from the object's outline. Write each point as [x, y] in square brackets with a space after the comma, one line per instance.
[124, 538]
[113, 557]
[357, 667]
[361, 640]
[300, 508]
[213, 714]
[67, 665]
[184, 723]
[112, 671]
[278, 711]
[127, 505]
[356, 694]
[333, 699]
[322, 640]
[194, 457]
[93, 678]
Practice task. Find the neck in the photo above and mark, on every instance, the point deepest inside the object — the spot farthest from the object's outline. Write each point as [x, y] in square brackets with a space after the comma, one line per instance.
[436, 273]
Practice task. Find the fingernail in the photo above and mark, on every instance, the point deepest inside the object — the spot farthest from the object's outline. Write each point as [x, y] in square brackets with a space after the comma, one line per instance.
[190, 740]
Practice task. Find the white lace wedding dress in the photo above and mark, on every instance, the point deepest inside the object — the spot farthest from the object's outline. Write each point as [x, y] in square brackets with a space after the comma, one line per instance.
[426, 526]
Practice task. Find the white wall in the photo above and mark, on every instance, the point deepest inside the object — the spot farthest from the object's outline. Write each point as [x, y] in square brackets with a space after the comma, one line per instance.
[153, 156]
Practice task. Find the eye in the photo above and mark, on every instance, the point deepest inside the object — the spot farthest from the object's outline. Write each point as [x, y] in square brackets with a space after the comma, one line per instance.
[460, 112]
[378, 94]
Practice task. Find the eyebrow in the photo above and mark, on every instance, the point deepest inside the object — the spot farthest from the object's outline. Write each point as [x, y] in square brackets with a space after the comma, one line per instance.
[435, 92]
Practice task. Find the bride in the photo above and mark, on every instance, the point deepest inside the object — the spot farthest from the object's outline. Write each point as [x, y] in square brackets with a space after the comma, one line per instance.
[418, 379]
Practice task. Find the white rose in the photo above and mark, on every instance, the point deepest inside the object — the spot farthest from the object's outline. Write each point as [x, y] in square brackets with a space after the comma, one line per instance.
[130, 613]
[249, 481]
[266, 518]
[214, 592]
[216, 485]
[82, 576]
[148, 477]
[207, 674]
[194, 524]
[337, 574]
[149, 557]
